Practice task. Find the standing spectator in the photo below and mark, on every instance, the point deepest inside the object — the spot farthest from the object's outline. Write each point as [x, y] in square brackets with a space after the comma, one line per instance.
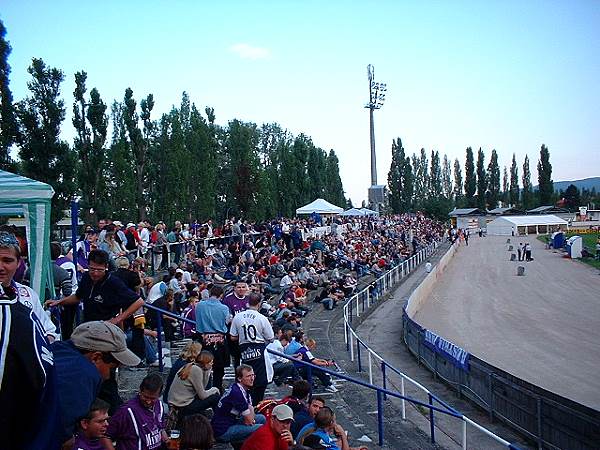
[103, 294]
[27, 372]
[236, 301]
[138, 423]
[253, 332]
[211, 323]
[234, 418]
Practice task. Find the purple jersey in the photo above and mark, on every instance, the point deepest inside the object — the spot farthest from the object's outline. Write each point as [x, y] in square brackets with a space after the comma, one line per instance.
[235, 304]
[83, 443]
[135, 427]
[234, 402]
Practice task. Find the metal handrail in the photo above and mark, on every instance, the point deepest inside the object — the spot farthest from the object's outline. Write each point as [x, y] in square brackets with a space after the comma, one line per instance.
[349, 333]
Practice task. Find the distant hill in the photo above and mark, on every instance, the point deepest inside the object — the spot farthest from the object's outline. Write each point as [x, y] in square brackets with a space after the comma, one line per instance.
[587, 183]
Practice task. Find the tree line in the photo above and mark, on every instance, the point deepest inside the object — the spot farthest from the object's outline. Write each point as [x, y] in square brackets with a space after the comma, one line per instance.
[127, 163]
[426, 182]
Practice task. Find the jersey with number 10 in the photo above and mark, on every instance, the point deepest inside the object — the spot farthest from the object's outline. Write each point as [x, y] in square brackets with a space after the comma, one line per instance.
[251, 327]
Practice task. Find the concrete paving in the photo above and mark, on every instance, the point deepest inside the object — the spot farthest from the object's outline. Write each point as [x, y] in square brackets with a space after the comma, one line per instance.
[543, 327]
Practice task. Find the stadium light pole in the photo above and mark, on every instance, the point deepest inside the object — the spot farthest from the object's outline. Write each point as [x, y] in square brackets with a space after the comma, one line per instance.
[376, 98]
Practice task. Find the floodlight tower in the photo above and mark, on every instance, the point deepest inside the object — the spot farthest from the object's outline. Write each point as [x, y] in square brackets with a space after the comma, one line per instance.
[376, 98]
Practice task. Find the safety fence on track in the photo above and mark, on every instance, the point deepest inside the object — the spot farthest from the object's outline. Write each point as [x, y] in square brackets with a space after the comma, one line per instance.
[381, 392]
[549, 420]
[359, 304]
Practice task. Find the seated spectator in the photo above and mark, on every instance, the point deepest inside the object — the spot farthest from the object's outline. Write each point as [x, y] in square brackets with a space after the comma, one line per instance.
[306, 355]
[287, 280]
[139, 423]
[275, 434]
[299, 396]
[189, 354]
[324, 427]
[306, 416]
[196, 433]
[82, 363]
[92, 427]
[234, 418]
[283, 369]
[296, 341]
[189, 393]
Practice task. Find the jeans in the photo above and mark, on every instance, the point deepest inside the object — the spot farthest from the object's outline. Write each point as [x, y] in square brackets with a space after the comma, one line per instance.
[239, 431]
[327, 302]
[323, 377]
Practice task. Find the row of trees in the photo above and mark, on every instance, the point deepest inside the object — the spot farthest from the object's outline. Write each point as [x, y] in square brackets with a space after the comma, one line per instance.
[179, 166]
[428, 183]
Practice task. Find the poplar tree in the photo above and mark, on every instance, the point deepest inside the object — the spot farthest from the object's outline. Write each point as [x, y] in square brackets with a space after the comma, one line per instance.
[435, 176]
[446, 178]
[396, 175]
[545, 183]
[505, 186]
[8, 122]
[470, 180]
[493, 179]
[139, 142]
[513, 197]
[89, 146]
[482, 181]
[45, 157]
[458, 184]
[527, 196]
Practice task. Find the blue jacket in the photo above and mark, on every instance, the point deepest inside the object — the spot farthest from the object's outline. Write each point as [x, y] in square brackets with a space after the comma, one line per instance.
[211, 316]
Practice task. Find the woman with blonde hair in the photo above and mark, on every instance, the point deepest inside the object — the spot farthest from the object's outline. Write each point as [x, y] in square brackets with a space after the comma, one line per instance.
[189, 354]
[189, 393]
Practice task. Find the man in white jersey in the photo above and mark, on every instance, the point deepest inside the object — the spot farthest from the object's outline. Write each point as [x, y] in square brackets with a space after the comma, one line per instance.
[254, 332]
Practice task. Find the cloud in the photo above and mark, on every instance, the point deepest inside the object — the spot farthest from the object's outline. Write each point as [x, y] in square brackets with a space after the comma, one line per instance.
[246, 51]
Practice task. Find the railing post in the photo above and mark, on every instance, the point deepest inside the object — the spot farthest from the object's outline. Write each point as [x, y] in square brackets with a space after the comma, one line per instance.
[403, 401]
[384, 379]
[431, 420]
[159, 328]
[350, 336]
[464, 435]
[168, 255]
[357, 308]
[540, 440]
[370, 369]
[358, 355]
[309, 376]
[380, 416]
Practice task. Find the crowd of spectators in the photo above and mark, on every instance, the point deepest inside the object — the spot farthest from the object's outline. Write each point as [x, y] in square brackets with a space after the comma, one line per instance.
[245, 286]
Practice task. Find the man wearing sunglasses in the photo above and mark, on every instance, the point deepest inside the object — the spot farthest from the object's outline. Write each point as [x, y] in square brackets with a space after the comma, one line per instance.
[275, 434]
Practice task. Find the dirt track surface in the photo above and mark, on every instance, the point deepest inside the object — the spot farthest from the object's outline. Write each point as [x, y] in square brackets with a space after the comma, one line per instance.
[543, 327]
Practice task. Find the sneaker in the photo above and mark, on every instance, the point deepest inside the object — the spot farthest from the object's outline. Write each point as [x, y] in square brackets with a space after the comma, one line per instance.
[154, 364]
[331, 388]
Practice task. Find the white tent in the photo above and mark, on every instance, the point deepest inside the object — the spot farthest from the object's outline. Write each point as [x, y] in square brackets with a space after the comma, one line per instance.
[353, 212]
[30, 198]
[369, 212]
[319, 206]
[523, 225]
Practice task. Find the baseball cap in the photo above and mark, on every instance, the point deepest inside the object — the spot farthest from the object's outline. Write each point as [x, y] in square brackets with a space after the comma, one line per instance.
[99, 336]
[283, 412]
[117, 223]
[314, 441]
[130, 224]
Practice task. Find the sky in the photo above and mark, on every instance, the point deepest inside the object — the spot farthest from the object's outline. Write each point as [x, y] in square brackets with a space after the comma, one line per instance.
[505, 75]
